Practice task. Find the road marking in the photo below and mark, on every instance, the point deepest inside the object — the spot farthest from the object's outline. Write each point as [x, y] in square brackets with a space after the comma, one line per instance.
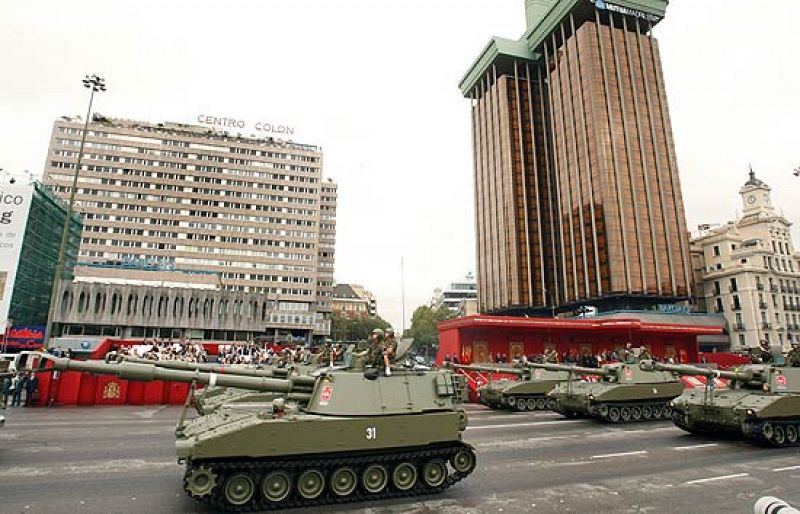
[623, 454]
[715, 479]
[531, 424]
[91, 467]
[694, 447]
[788, 468]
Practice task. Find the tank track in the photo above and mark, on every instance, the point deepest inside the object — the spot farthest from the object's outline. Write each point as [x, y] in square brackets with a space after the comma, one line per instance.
[257, 469]
[631, 412]
[774, 432]
[531, 403]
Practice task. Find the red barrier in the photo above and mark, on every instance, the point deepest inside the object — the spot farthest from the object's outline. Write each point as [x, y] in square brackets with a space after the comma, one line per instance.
[87, 389]
[67, 387]
[136, 393]
[111, 391]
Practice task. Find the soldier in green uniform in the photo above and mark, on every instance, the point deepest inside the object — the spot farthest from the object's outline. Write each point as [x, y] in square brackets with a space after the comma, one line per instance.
[644, 354]
[550, 356]
[389, 349]
[375, 350]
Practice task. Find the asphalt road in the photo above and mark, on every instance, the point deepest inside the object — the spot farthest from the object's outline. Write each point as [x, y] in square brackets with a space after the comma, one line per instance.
[120, 460]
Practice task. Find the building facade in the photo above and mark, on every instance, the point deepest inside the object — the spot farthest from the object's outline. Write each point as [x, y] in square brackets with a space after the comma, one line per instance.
[454, 295]
[749, 271]
[352, 301]
[256, 212]
[30, 250]
[577, 194]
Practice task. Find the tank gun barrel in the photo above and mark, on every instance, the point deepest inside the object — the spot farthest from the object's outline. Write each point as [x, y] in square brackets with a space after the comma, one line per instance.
[685, 369]
[295, 387]
[205, 367]
[577, 370]
[490, 369]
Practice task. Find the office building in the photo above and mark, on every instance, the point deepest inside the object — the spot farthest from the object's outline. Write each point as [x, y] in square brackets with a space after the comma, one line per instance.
[749, 271]
[455, 294]
[254, 212]
[31, 223]
[577, 194]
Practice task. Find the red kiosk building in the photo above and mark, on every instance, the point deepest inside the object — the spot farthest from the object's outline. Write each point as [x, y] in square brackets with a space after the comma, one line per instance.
[479, 338]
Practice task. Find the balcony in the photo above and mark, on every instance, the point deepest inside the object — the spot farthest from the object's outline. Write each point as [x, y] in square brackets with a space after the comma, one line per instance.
[762, 305]
[733, 289]
[736, 307]
[719, 310]
[760, 286]
[766, 326]
[738, 327]
[773, 288]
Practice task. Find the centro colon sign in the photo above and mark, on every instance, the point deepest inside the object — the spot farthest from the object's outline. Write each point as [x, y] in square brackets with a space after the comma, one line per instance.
[602, 4]
[233, 123]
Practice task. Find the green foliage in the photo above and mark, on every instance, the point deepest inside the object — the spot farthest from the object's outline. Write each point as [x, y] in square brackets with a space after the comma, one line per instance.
[423, 325]
[344, 329]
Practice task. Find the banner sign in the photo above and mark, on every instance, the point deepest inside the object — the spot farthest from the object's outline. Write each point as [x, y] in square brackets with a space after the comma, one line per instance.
[15, 203]
[608, 6]
[26, 337]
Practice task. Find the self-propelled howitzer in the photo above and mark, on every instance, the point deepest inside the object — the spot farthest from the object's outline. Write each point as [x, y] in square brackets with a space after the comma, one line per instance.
[624, 393]
[527, 392]
[762, 402]
[341, 435]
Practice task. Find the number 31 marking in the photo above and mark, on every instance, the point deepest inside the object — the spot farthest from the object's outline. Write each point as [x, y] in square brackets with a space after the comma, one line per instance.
[372, 433]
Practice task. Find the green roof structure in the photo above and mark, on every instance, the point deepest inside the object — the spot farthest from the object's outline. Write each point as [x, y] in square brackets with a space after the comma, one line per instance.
[544, 17]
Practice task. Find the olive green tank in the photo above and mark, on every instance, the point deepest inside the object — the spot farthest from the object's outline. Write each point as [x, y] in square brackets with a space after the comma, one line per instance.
[624, 393]
[762, 402]
[341, 435]
[527, 392]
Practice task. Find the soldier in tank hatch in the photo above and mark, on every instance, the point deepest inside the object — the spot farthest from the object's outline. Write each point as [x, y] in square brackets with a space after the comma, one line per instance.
[793, 355]
[375, 350]
[389, 349]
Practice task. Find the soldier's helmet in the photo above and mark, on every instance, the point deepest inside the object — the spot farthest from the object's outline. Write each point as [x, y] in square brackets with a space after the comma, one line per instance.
[389, 331]
[377, 332]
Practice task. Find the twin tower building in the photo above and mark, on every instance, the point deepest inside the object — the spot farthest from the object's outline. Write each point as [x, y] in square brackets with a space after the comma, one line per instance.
[577, 193]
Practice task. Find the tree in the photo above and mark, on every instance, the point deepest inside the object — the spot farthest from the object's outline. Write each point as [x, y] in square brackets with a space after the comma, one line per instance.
[423, 326]
[357, 329]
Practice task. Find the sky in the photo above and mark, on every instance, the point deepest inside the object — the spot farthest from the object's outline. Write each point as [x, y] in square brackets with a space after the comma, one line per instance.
[375, 84]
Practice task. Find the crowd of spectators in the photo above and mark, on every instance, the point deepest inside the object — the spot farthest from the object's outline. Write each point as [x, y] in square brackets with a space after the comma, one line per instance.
[169, 350]
[586, 360]
[258, 355]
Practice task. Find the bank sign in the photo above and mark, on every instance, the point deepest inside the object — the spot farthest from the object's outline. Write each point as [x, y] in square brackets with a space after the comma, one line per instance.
[609, 6]
[238, 125]
[15, 203]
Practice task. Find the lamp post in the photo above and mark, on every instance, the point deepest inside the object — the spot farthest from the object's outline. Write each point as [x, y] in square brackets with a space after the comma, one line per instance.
[94, 84]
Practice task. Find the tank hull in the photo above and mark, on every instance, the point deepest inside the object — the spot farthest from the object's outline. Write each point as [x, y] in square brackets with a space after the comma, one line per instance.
[763, 417]
[301, 444]
[520, 395]
[617, 403]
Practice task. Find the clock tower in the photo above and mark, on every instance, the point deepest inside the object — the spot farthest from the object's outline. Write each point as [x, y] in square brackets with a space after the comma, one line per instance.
[755, 196]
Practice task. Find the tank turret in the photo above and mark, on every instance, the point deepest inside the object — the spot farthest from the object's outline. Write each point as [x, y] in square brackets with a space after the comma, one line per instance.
[343, 434]
[762, 402]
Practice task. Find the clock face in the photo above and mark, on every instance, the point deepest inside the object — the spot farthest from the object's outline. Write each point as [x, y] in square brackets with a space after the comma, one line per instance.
[751, 199]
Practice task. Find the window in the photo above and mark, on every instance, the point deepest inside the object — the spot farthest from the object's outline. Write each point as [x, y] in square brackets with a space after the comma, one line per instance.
[716, 251]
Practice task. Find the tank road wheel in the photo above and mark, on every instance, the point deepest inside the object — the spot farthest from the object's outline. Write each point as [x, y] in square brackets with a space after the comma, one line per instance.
[276, 486]
[519, 403]
[374, 479]
[310, 484]
[636, 413]
[532, 404]
[199, 482]
[404, 476]
[239, 489]
[667, 411]
[791, 434]
[647, 412]
[551, 404]
[541, 404]
[613, 414]
[463, 461]
[343, 481]
[779, 436]
[434, 472]
[767, 431]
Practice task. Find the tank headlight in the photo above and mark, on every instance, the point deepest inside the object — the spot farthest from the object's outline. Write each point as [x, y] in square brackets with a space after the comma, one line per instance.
[766, 388]
[591, 397]
[750, 412]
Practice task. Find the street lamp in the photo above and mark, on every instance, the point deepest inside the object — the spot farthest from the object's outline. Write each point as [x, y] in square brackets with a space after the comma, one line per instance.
[94, 84]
